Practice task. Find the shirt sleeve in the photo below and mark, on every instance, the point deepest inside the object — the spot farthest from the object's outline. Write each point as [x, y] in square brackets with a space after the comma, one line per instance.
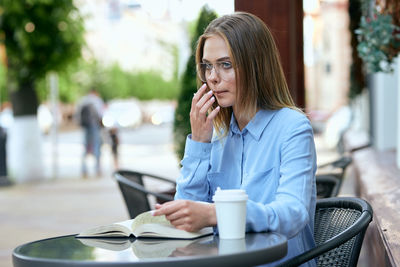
[192, 183]
[290, 211]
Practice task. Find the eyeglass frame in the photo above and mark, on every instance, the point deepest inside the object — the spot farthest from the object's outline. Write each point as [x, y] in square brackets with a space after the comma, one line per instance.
[217, 66]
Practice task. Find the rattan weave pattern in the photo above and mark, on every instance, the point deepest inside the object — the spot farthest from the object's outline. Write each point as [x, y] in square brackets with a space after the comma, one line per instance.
[334, 221]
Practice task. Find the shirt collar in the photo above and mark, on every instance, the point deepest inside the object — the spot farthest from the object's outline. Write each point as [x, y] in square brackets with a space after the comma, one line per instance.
[256, 126]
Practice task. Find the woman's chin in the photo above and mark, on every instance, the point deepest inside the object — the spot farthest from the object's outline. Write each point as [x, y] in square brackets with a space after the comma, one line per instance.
[224, 103]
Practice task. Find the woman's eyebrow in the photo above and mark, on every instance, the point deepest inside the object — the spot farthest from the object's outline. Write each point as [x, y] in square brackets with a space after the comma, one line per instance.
[224, 59]
[218, 60]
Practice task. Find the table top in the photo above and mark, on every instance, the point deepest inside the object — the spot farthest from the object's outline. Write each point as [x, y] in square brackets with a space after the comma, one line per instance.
[254, 249]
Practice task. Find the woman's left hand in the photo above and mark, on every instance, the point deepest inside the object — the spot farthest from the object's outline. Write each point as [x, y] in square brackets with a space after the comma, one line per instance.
[188, 215]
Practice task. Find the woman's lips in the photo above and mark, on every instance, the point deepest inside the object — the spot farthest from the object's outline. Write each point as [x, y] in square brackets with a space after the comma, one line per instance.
[218, 93]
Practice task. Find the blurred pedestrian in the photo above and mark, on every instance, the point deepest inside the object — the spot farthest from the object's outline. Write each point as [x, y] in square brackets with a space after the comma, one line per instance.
[89, 114]
[3, 154]
[114, 145]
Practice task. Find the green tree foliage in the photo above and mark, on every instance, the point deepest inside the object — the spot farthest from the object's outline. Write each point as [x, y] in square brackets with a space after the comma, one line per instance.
[111, 82]
[3, 91]
[39, 36]
[189, 86]
[143, 85]
[379, 39]
[71, 82]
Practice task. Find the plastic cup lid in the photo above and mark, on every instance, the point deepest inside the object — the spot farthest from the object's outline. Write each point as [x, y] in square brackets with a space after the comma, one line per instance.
[230, 195]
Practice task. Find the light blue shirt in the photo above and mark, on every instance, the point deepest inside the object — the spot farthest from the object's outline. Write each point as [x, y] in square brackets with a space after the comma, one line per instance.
[273, 158]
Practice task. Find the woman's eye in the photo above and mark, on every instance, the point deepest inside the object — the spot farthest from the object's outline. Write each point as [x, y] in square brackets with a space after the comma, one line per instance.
[226, 65]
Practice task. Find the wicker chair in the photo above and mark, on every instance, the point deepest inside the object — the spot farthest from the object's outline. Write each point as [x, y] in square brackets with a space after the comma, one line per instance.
[328, 185]
[135, 193]
[340, 225]
[341, 163]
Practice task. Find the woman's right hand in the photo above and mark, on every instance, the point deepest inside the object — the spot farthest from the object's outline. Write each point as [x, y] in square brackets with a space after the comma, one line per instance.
[188, 215]
[201, 122]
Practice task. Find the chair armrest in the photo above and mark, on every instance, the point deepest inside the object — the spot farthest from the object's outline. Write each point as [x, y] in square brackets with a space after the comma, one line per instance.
[341, 163]
[360, 147]
[141, 174]
[127, 182]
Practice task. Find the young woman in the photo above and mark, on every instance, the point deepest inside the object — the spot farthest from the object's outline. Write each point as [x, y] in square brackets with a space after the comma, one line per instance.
[262, 142]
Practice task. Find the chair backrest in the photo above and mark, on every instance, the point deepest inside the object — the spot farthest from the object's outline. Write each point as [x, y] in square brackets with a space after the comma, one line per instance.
[339, 229]
[338, 219]
[133, 176]
[342, 163]
[135, 194]
[328, 185]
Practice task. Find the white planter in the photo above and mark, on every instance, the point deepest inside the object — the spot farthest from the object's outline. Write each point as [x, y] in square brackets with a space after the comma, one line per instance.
[361, 112]
[24, 150]
[398, 112]
[385, 110]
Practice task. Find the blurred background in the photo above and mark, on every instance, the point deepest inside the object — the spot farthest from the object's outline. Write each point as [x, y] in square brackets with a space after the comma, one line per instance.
[340, 58]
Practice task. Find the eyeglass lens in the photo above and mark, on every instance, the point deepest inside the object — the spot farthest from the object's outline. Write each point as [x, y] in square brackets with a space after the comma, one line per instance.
[222, 69]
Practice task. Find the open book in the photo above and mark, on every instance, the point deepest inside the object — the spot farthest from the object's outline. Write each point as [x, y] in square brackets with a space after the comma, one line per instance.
[144, 225]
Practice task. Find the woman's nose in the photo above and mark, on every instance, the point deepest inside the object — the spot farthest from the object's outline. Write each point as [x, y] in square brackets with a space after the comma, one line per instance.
[214, 77]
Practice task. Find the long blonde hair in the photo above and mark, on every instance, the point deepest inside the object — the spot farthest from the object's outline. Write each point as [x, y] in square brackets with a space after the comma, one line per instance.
[260, 81]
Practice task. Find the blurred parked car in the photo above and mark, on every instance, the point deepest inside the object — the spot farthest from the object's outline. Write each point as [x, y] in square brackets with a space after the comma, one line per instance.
[158, 112]
[122, 114]
[163, 115]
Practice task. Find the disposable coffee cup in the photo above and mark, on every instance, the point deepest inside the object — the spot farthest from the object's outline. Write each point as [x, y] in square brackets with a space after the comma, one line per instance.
[231, 246]
[230, 207]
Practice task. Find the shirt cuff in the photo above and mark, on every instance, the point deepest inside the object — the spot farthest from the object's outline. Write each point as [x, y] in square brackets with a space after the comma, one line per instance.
[197, 149]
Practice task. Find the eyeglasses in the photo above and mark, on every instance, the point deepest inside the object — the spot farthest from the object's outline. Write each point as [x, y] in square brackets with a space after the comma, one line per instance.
[223, 69]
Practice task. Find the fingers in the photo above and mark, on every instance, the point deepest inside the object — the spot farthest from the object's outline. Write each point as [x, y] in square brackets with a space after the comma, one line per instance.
[177, 212]
[182, 222]
[204, 107]
[202, 102]
[204, 99]
[167, 208]
[213, 114]
[200, 121]
[183, 213]
[200, 91]
[200, 107]
[186, 214]
[198, 94]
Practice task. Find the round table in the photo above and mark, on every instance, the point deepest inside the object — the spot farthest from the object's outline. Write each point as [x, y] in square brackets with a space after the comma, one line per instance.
[254, 249]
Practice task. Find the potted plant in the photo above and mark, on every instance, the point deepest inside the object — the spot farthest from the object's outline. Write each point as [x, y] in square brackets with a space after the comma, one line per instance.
[378, 36]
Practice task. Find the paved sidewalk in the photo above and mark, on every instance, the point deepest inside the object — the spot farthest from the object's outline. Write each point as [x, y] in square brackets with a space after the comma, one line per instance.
[66, 206]
[31, 212]
[69, 204]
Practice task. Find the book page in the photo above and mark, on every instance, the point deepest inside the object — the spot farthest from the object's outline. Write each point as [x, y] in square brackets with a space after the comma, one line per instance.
[168, 231]
[119, 229]
[144, 225]
[147, 217]
[147, 225]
